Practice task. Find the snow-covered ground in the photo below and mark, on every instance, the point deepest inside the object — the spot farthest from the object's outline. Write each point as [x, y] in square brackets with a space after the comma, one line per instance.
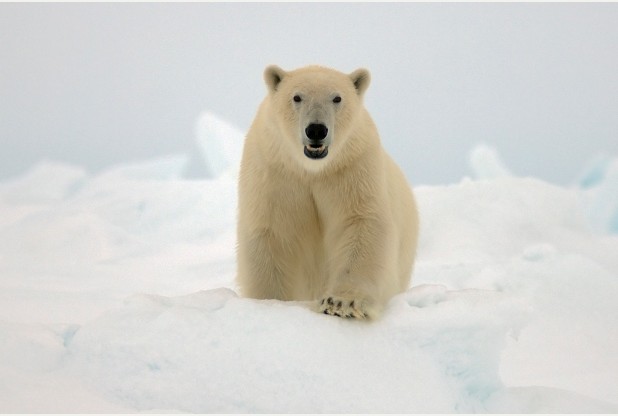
[117, 294]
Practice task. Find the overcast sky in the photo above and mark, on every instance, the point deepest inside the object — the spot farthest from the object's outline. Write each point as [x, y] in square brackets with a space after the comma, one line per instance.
[98, 84]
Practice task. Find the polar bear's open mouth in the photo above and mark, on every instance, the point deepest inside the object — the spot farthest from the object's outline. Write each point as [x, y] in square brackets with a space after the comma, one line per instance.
[316, 152]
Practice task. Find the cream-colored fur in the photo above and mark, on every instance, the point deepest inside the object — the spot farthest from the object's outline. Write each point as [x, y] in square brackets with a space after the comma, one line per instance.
[341, 230]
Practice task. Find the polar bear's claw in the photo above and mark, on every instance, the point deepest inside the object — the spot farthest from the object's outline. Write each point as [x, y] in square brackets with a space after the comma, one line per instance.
[343, 308]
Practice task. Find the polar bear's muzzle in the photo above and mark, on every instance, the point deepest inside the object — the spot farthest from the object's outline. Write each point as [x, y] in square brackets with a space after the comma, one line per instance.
[316, 147]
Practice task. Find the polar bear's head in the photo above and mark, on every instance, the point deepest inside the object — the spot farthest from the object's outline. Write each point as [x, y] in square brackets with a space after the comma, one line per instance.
[315, 107]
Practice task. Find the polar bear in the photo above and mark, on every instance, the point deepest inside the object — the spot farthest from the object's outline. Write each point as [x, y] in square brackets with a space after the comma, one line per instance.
[324, 214]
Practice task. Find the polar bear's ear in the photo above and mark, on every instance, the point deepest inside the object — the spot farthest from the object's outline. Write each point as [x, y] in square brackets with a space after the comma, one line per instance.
[273, 76]
[361, 79]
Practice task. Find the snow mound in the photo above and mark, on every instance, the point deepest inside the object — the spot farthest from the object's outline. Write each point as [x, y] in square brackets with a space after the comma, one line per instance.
[495, 220]
[597, 183]
[274, 357]
[526, 400]
[159, 169]
[47, 182]
[115, 214]
[128, 229]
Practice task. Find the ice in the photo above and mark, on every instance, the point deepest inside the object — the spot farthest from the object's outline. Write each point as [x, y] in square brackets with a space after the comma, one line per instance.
[599, 192]
[486, 163]
[220, 144]
[117, 294]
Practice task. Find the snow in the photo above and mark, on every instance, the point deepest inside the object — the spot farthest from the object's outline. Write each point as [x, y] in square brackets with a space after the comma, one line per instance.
[117, 295]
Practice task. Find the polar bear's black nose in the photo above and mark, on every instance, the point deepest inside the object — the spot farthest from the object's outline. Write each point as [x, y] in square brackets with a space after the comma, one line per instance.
[316, 132]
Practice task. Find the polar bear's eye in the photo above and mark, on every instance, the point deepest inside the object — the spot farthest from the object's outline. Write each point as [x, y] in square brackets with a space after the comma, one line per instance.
[297, 99]
[337, 99]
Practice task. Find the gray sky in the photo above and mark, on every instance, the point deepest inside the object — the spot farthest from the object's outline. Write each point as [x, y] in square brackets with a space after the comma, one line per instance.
[99, 84]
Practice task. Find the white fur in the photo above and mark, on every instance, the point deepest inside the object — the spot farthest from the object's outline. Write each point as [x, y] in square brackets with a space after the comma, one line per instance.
[341, 230]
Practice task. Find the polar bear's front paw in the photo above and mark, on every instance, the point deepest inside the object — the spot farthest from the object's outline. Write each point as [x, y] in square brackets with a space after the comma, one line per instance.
[344, 308]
